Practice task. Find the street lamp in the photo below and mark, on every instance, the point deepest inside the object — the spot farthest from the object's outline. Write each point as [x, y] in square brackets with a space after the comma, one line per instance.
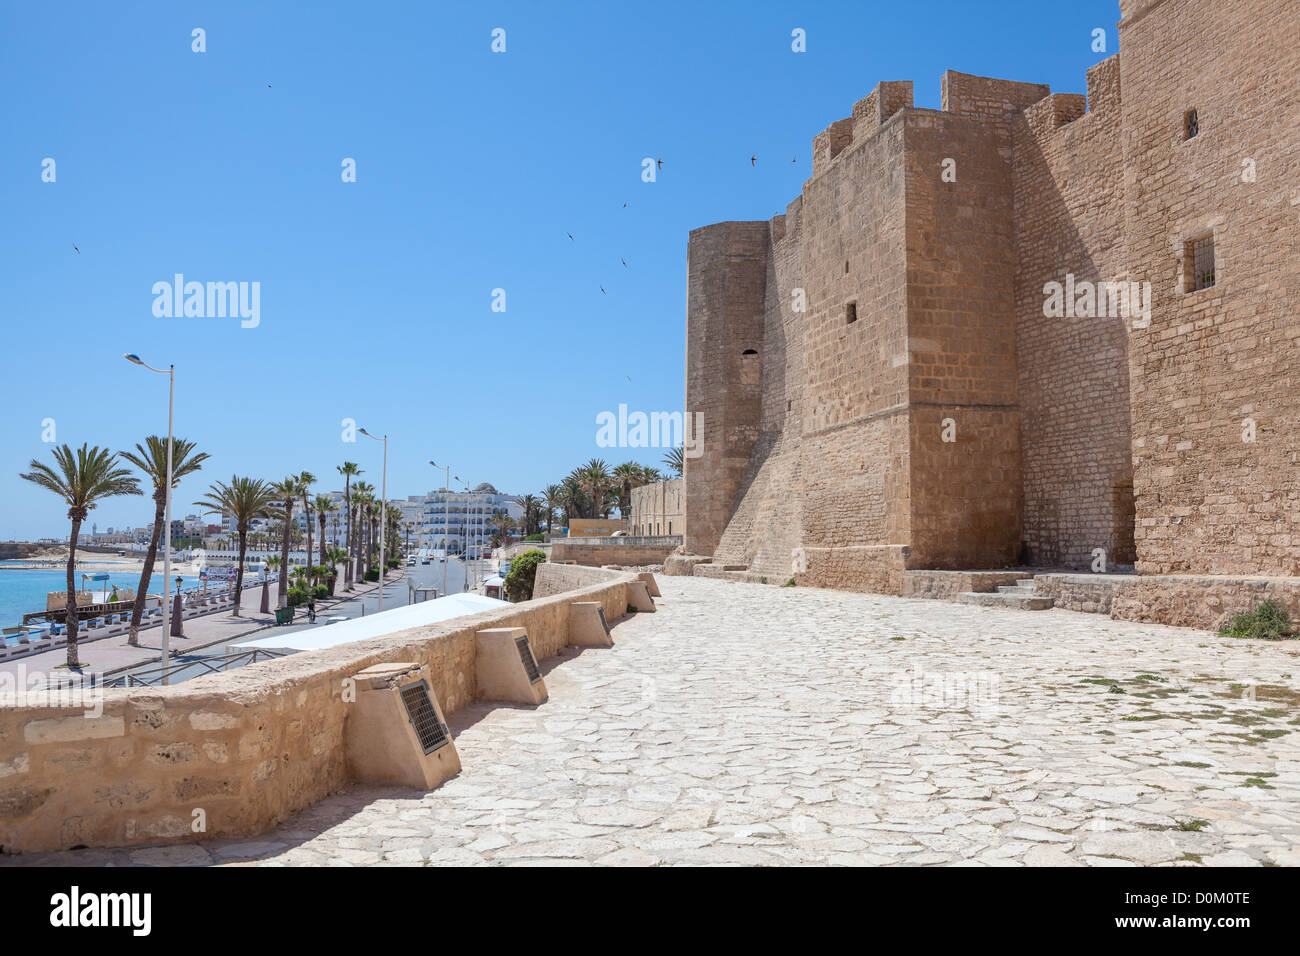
[170, 372]
[383, 514]
[445, 519]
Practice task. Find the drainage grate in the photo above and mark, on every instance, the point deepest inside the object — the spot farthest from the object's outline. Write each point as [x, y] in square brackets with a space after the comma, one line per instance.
[424, 717]
[603, 623]
[526, 655]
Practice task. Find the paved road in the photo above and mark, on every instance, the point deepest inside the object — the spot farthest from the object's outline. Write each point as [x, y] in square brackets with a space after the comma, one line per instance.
[743, 724]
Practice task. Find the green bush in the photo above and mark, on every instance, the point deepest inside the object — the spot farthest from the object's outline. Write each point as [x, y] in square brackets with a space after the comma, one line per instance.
[320, 591]
[372, 574]
[536, 537]
[297, 596]
[523, 572]
[392, 563]
[1267, 620]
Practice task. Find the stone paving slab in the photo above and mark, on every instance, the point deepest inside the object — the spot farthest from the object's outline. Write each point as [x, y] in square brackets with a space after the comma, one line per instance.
[751, 725]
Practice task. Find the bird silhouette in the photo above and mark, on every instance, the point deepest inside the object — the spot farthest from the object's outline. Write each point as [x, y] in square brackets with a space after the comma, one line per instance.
[659, 163]
[753, 160]
[602, 291]
[570, 235]
[795, 159]
[75, 249]
[624, 261]
[624, 205]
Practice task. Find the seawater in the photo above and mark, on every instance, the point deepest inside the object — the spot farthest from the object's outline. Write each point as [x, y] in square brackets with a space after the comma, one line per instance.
[23, 591]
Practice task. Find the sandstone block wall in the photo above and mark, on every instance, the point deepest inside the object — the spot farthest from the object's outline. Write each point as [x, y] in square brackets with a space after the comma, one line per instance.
[1207, 501]
[924, 299]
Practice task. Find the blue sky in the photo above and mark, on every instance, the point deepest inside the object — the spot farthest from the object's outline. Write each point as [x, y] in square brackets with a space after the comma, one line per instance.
[471, 168]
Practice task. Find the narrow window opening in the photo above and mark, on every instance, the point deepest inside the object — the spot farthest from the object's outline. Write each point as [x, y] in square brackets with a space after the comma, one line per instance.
[846, 266]
[1191, 124]
[1199, 258]
[850, 313]
[749, 352]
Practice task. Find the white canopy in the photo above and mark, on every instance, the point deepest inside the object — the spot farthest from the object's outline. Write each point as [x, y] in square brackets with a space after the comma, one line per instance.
[373, 625]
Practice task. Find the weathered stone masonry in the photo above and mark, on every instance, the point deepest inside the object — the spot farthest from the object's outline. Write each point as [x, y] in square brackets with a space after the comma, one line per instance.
[824, 452]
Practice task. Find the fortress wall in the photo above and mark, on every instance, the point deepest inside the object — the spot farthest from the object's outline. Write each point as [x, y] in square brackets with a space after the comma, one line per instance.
[961, 349]
[854, 448]
[1207, 501]
[767, 523]
[1068, 179]
[727, 278]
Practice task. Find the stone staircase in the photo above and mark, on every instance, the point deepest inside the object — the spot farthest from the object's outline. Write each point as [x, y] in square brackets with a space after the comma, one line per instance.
[1019, 595]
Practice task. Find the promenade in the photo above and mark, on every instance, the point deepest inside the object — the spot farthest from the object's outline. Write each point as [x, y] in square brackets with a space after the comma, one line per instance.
[743, 724]
[111, 655]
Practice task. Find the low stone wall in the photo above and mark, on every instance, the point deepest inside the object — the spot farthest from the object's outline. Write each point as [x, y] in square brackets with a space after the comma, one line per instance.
[238, 751]
[555, 579]
[946, 585]
[1191, 600]
[683, 565]
[628, 552]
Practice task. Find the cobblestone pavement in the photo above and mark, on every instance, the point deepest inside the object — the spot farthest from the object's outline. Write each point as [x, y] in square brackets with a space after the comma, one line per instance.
[744, 724]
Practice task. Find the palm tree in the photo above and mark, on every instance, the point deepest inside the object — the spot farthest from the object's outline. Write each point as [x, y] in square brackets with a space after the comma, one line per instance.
[628, 476]
[676, 461]
[573, 498]
[532, 514]
[243, 499]
[504, 522]
[325, 507]
[306, 480]
[151, 458]
[287, 491]
[596, 481]
[363, 496]
[83, 479]
[348, 469]
[551, 497]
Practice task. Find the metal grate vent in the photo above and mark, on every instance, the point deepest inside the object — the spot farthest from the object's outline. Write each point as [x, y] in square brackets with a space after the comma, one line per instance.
[526, 655]
[424, 717]
[603, 622]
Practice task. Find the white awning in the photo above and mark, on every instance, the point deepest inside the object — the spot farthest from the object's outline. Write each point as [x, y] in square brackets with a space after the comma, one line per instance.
[373, 625]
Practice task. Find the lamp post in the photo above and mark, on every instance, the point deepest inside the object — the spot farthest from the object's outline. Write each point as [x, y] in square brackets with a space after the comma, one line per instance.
[446, 480]
[170, 372]
[383, 514]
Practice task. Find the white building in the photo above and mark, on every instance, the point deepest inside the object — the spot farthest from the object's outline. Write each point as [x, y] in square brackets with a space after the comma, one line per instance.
[459, 521]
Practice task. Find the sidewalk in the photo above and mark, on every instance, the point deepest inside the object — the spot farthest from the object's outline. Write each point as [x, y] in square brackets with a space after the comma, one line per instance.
[111, 655]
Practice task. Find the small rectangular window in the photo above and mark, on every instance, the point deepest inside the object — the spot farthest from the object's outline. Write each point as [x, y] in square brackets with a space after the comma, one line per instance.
[1191, 124]
[850, 313]
[1199, 255]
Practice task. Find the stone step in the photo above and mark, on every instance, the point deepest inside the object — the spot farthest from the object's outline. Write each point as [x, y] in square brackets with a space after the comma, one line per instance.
[1023, 602]
[1025, 582]
[1014, 589]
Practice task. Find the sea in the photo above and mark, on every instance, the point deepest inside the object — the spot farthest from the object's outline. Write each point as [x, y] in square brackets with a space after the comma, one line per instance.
[23, 590]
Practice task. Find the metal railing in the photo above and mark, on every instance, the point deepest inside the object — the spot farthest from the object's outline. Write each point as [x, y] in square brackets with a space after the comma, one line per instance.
[153, 676]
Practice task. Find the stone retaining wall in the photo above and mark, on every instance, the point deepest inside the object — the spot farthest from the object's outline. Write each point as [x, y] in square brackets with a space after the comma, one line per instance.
[628, 552]
[240, 751]
[1203, 601]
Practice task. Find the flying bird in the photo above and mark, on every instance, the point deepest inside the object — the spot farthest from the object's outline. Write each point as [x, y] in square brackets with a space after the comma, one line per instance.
[624, 261]
[624, 205]
[602, 291]
[753, 160]
[75, 249]
[659, 163]
[795, 159]
[570, 235]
